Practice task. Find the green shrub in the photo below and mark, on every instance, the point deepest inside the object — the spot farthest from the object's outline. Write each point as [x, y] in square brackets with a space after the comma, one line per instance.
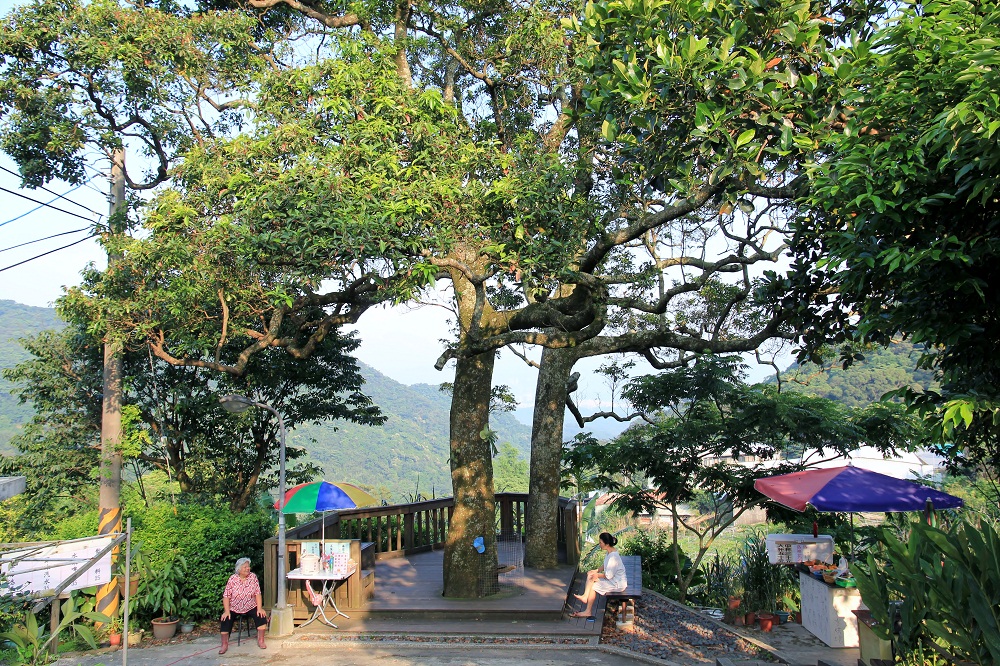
[764, 584]
[210, 539]
[659, 562]
[947, 585]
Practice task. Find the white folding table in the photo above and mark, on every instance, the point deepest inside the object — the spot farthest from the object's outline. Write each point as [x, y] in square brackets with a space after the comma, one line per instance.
[330, 582]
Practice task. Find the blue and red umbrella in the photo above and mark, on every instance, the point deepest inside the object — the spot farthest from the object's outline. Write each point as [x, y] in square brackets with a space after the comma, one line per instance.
[852, 489]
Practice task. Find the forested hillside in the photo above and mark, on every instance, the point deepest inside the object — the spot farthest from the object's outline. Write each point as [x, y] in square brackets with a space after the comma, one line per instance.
[866, 381]
[17, 321]
[410, 449]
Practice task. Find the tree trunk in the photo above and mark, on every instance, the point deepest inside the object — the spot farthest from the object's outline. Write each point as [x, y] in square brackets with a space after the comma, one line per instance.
[541, 550]
[467, 573]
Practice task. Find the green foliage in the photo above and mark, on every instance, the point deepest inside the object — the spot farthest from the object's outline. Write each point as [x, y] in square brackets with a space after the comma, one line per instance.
[901, 232]
[78, 76]
[946, 582]
[665, 567]
[209, 540]
[764, 584]
[721, 580]
[32, 640]
[162, 588]
[877, 372]
[510, 470]
[713, 94]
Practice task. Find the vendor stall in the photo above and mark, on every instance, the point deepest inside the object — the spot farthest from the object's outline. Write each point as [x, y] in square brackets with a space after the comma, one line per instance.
[827, 603]
[827, 610]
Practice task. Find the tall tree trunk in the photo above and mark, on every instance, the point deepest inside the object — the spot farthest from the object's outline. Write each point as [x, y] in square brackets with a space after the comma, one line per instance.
[541, 549]
[467, 573]
[109, 496]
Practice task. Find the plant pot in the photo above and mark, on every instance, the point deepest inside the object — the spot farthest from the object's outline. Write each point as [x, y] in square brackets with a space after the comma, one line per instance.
[134, 638]
[798, 617]
[186, 627]
[734, 603]
[115, 639]
[766, 621]
[782, 616]
[133, 585]
[750, 618]
[164, 628]
[738, 620]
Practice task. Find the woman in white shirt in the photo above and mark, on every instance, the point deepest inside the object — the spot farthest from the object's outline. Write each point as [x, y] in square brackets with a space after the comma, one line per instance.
[610, 577]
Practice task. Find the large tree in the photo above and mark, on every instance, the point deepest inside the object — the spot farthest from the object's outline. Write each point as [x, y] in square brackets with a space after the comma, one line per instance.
[710, 113]
[901, 235]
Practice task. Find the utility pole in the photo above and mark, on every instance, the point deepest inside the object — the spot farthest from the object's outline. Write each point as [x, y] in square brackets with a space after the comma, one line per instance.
[110, 516]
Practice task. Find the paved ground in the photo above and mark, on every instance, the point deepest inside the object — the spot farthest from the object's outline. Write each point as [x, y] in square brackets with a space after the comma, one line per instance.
[204, 651]
[790, 641]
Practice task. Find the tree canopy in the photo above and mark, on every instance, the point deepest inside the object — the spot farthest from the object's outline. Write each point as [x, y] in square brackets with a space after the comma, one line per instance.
[900, 235]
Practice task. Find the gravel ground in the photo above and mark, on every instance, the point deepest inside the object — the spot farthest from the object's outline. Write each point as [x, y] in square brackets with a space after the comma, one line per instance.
[671, 632]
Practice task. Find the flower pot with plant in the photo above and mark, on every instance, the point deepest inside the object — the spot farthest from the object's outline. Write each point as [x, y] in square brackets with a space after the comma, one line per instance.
[163, 589]
[114, 628]
[137, 563]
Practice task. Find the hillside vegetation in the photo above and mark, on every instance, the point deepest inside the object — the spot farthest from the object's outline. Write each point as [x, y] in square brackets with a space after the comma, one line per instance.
[863, 383]
[409, 454]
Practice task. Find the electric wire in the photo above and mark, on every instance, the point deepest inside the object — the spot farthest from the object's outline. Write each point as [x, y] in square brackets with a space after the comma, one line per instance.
[43, 254]
[39, 240]
[63, 195]
[48, 205]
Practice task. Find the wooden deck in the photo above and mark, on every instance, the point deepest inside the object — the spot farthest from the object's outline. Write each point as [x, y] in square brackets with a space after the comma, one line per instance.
[408, 600]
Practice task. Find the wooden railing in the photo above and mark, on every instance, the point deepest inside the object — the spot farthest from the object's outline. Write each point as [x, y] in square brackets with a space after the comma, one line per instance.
[398, 530]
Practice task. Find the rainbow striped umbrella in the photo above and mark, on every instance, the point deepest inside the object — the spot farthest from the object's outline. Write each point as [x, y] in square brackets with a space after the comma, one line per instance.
[324, 496]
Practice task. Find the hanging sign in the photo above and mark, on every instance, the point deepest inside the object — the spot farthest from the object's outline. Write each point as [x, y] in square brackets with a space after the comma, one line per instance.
[41, 568]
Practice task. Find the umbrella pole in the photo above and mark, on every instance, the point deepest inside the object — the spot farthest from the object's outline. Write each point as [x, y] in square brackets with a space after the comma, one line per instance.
[323, 538]
[853, 542]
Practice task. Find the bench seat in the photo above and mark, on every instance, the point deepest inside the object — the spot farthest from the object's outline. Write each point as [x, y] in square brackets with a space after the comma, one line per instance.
[633, 574]
[625, 613]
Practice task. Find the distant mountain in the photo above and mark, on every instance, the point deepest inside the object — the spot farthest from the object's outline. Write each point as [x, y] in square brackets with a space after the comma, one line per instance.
[17, 321]
[408, 454]
[864, 382]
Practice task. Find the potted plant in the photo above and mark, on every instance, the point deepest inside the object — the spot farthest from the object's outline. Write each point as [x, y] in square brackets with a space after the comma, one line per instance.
[163, 589]
[184, 610]
[136, 565]
[115, 627]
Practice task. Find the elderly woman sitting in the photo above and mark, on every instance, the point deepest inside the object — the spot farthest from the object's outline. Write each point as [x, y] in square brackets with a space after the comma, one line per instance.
[242, 598]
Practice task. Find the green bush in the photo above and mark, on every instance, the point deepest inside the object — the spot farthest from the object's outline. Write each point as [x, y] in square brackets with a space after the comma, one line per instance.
[210, 539]
[659, 562]
[947, 586]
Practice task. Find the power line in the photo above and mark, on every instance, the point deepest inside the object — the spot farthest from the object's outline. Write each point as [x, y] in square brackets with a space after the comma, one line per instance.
[39, 240]
[39, 256]
[48, 205]
[63, 195]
